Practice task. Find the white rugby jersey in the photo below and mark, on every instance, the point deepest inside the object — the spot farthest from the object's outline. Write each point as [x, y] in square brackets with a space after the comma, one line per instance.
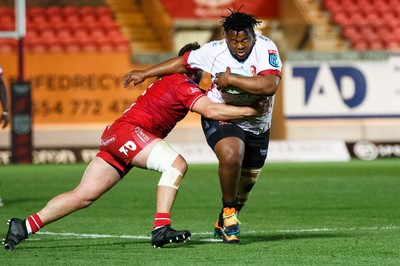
[214, 57]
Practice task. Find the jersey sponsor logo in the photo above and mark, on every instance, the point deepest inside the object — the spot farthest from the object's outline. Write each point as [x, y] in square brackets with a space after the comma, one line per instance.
[262, 37]
[142, 136]
[253, 70]
[273, 58]
[193, 89]
[216, 43]
[107, 141]
[263, 152]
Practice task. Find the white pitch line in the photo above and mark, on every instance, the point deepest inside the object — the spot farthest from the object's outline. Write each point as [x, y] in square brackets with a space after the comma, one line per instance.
[391, 227]
[92, 235]
[210, 233]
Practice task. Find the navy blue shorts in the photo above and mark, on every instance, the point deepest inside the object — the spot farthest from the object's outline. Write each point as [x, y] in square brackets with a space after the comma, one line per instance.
[256, 146]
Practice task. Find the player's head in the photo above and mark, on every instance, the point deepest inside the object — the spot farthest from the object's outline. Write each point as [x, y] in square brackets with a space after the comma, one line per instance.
[194, 74]
[239, 33]
[188, 47]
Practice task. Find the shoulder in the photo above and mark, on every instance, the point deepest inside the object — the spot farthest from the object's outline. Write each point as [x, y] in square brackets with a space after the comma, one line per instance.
[213, 46]
[264, 41]
[263, 38]
[180, 79]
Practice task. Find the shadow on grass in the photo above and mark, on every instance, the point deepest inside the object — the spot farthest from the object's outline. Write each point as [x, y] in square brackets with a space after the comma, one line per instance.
[290, 236]
[79, 243]
[245, 239]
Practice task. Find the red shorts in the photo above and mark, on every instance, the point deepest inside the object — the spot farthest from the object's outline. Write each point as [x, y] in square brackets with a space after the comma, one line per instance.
[121, 142]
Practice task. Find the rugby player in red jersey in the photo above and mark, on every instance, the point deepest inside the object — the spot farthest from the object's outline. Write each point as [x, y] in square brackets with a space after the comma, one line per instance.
[136, 140]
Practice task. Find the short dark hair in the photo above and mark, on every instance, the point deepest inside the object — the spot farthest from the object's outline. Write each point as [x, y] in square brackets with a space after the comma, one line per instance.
[239, 21]
[189, 47]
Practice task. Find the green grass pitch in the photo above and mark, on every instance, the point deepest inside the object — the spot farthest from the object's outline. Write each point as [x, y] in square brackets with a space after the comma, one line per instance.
[299, 214]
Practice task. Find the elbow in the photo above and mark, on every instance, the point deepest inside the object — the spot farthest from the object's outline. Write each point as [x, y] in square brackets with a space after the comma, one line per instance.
[273, 90]
[270, 90]
[209, 115]
[270, 86]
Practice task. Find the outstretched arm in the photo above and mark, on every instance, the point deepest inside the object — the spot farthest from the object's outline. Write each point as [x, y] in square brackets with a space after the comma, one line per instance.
[221, 111]
[171, 66]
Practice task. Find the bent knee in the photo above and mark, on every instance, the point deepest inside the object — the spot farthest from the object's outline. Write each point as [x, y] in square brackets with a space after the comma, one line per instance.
[180, 164]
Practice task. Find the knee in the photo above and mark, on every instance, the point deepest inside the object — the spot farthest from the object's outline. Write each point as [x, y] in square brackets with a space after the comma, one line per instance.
[83, 200]
[230, 157]
[230, 152]
[180, 164]
[173, 175]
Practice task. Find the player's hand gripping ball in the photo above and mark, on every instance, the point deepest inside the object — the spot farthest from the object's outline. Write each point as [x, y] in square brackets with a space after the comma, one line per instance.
[232, 89]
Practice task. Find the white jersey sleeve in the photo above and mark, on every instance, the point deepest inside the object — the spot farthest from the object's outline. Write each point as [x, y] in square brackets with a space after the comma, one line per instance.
[205, 57]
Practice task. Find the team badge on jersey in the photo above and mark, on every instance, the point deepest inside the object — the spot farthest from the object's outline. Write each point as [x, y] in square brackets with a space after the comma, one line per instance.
[273, 58]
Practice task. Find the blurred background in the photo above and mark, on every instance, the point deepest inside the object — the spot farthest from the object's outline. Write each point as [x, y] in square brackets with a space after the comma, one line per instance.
[339, 96]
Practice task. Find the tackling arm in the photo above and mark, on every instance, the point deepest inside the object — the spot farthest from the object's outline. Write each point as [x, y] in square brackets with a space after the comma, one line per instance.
[220, 111]
[171, 66]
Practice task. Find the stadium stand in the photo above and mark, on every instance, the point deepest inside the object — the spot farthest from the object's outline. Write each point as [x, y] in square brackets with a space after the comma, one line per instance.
[367, 24]
[143, 27]
[66, 29]
[145, 24]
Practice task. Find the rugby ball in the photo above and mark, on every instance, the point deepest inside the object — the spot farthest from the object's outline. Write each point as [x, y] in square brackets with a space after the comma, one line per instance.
[235, 90]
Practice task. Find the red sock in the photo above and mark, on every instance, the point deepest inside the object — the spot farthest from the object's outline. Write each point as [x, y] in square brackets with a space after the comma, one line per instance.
[161, 219]
[34, 223]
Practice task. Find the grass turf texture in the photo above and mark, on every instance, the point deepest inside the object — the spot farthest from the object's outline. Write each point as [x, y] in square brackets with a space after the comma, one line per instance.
[299, 214]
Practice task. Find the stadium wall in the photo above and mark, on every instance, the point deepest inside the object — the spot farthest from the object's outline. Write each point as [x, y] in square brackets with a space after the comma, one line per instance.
[76, 95]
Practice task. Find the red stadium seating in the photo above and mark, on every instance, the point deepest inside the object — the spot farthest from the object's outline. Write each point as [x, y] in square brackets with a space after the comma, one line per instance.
[7, 45]
[367, 24]
[7, 22]
[53, 11]
[68, 11]
[65, 29]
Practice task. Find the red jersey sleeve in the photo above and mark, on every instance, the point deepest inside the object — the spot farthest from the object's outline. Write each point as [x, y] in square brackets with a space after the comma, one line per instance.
[188, 92]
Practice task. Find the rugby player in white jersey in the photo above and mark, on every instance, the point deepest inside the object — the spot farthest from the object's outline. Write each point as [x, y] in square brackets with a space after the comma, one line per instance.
[245, 66]
[136, 140]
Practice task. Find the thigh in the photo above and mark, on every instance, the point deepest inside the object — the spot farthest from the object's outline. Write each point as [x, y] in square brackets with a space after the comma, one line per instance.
[98, 178]
[124, 146]
[215, 131]
[256, 150]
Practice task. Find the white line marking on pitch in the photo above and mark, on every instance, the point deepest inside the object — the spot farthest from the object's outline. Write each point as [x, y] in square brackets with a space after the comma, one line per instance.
[210, 233]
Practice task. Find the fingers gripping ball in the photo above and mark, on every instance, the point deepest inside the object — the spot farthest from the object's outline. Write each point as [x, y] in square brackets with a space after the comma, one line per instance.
[235, 90]
[160, 159]
[236, 96]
